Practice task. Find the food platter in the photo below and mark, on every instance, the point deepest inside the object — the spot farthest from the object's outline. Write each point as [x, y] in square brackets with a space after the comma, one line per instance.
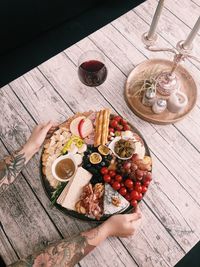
[94, 165]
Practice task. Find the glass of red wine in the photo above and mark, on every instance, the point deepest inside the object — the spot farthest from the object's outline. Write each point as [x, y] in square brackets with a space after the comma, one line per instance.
[91, 68]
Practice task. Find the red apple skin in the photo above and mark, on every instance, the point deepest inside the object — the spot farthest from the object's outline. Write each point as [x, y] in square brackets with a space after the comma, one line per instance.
[80, 126]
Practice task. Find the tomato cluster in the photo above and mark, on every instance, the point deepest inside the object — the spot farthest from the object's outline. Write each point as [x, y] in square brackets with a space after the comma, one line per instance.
[117, 123]
[131, 183]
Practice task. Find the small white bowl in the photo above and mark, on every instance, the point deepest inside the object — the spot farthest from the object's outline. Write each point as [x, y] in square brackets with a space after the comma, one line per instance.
[112, 146]
[53, 167]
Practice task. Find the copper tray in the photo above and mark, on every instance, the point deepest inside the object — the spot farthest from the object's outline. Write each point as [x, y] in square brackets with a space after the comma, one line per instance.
[188, 86]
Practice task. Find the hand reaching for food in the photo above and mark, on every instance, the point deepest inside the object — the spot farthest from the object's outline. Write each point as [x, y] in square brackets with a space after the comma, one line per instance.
[123, 225]
[12, 165]
[37, 137]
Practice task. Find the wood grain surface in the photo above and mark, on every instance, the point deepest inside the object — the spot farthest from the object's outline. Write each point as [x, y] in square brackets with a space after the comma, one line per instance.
[171, 207]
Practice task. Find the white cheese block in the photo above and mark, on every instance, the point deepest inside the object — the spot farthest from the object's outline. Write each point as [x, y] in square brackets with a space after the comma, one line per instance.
[74, 188]
[140, 149]
[109, 207]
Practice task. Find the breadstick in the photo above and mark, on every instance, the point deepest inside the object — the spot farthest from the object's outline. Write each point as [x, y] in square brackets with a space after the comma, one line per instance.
[99, 134]
[107, 126]
[103, 137]
[96, 128]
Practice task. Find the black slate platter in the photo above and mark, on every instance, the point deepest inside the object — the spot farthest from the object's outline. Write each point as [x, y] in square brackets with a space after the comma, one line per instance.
[49, 190]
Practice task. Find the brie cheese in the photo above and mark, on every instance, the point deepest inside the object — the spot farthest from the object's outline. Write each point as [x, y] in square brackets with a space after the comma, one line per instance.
[73, 189]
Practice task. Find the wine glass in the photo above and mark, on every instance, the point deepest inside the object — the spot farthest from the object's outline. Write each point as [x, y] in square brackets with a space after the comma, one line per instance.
[91, 68]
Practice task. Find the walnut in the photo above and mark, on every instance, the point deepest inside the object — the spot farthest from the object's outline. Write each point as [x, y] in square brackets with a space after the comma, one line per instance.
[116, 201]
[98, 188]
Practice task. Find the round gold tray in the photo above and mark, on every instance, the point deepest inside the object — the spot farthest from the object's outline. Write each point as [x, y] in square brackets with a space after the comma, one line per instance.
[146, 69]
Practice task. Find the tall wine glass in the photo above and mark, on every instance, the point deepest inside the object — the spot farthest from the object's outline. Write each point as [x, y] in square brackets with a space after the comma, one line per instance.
[91, 68]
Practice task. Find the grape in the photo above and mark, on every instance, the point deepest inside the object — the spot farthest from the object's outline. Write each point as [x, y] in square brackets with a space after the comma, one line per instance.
[127, 165]
[134, 167]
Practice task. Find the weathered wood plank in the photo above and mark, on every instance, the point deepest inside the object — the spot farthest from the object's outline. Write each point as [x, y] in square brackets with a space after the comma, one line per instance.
[6, 251]
[22, 217]
[23, 87]
[186, 11]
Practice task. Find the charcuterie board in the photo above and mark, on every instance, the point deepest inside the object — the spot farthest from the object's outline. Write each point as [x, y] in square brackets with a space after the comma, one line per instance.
[94, 165]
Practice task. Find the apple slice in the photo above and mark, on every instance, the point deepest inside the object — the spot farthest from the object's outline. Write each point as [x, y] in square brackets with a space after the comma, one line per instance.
[74, 125]
[85, 127]
[80, 127]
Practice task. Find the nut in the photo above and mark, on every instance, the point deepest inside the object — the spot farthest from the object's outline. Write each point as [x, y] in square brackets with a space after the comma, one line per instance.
[116, 201]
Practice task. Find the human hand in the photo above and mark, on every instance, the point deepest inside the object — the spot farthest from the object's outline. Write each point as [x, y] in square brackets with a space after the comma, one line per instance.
[37, 137]
[123, 225]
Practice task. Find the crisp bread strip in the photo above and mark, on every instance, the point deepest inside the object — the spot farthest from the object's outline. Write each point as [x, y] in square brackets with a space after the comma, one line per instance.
[103, 136]
[96, 128]
[99, 133]
[107, 125]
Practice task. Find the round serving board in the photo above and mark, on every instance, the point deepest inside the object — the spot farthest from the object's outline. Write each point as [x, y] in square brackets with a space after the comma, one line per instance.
[49, 189]
[142, 70]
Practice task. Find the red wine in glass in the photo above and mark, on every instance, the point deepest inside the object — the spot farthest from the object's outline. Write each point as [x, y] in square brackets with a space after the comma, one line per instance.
[92, 72]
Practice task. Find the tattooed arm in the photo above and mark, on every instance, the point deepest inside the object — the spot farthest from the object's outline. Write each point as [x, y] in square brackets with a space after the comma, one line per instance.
[12, 165]
[66, 253]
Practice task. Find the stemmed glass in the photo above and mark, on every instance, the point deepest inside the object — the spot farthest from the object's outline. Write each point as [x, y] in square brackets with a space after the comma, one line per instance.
[91, 68]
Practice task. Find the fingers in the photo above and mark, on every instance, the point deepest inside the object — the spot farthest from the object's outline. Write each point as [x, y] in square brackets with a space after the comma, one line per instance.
[136, 215]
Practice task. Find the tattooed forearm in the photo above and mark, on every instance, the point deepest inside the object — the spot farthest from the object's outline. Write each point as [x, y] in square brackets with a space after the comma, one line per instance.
[10, 167]
[64, 253]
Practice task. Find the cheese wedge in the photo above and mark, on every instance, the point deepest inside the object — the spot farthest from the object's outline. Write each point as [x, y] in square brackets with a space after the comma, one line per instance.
[74, 188]
[111, 196]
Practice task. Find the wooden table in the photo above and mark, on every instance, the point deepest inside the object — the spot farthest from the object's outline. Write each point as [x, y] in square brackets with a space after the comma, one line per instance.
[171, 208]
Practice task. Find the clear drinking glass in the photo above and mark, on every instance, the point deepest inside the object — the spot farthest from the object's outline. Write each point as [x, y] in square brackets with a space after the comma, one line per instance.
[91, 68]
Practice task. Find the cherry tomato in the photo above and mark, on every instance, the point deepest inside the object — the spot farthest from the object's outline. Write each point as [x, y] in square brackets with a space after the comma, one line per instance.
[112, 181]
[135, 157]
[134, 203]
[114, 124]
[128, 183]
[134, 194]
[138, 188]
[116, 185]
[122, 184]
[140, 196]
[128, 197]
[107, 178]
[137, 184]
[146, 183]
[123, 191]
[118, 178]
[111, 130]
[123, 122]
[119, 127]
[104, 170]
[112, 173]
[126, 127]
[117, 118]
[144, 189]
[148, 176]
